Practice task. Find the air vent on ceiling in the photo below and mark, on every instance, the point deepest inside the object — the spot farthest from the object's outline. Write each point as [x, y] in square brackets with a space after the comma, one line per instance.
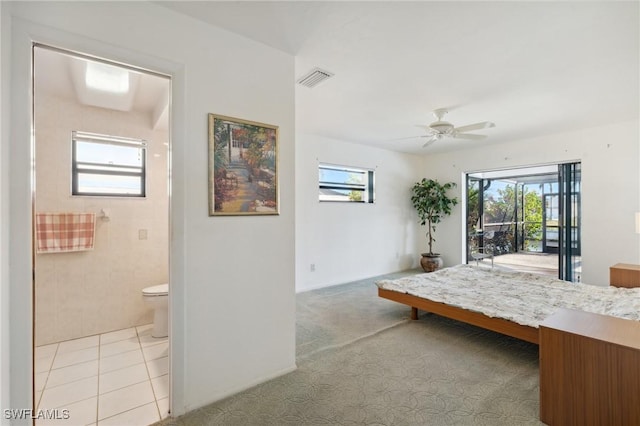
[314, 77]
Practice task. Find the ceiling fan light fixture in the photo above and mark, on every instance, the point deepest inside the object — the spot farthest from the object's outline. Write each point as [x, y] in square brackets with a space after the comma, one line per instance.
[442, 127]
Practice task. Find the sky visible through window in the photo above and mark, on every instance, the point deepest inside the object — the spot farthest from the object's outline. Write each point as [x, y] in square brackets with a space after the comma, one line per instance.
[341, 183]
[107, 157]
[341, 176]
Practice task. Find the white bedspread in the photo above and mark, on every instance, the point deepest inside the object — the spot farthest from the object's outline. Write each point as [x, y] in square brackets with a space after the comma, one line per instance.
[521, 297]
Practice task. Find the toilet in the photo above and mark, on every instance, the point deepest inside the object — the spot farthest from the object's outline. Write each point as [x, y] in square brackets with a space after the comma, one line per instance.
[157, 297]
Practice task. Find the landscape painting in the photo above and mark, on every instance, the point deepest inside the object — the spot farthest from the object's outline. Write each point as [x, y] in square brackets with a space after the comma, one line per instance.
[243, 175]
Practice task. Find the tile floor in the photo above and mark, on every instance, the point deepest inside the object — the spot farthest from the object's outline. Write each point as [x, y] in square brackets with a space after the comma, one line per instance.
[117, 378]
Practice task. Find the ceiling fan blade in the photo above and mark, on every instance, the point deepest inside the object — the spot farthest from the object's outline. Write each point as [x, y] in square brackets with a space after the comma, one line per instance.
[476, 126]
[468, 136]
[430, 141]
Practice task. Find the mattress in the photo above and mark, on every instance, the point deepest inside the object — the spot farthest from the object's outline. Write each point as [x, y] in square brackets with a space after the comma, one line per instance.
[521, 297]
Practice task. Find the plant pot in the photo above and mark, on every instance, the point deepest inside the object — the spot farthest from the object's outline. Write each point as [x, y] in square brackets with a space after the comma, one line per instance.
[431, 262]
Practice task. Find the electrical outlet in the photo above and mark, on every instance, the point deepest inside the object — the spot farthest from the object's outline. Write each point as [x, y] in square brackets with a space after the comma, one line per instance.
[313, 267]
[142, 234]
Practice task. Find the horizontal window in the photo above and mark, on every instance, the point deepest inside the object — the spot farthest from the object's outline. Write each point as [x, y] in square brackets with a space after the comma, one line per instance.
[345, 184]
[107, 166]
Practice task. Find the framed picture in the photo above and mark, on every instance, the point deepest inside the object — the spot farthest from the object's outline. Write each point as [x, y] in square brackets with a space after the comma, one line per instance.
[243, 167]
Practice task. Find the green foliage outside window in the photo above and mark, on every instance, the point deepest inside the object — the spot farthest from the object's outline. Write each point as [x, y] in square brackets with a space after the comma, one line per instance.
[501, 209]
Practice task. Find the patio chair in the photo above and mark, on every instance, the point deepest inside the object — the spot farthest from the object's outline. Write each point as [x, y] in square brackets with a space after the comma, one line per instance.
[486, 250]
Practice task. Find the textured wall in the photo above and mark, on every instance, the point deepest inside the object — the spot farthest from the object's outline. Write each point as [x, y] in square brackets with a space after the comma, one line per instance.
[84, 293]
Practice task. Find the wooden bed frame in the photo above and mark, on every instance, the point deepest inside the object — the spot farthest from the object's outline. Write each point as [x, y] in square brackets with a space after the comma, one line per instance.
[588, 362]
[510, 328]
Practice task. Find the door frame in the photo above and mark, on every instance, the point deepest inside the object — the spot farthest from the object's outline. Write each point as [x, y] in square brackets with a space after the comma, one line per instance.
[35, 161]
[467, 176]
[18, 143]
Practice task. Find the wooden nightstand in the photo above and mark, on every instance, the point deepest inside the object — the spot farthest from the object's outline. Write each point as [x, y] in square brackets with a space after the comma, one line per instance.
[589, 369]
[624, 275]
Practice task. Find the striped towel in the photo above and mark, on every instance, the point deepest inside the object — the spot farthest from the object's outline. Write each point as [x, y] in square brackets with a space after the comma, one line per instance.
[64, 232]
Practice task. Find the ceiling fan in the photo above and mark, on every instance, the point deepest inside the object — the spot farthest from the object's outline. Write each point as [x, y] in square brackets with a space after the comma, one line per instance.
[440, 129]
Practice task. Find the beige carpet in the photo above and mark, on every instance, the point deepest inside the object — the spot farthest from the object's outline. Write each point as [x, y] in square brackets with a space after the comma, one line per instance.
[361, 362]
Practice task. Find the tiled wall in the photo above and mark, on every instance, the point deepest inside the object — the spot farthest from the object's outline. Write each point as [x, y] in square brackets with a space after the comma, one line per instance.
[84, 293]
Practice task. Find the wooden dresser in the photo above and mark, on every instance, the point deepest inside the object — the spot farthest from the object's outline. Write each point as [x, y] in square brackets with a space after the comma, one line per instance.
[624, 275]
[589, 369]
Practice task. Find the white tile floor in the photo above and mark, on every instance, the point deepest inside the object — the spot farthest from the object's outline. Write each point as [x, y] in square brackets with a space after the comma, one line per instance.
[118, 378]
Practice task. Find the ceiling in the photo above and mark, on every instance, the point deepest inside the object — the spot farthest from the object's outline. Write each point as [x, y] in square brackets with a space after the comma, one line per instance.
[533, 68]
[65, 75]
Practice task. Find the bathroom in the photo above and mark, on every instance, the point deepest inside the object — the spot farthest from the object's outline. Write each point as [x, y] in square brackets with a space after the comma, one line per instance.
[101, 344]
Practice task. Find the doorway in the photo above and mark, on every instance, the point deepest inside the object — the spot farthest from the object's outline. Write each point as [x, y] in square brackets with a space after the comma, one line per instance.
[101, 239]
[526, 219]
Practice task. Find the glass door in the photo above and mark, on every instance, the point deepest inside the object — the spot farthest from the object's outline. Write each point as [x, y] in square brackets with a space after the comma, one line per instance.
[550, 222]
[474, 215]
[528, 218]
[569, 240]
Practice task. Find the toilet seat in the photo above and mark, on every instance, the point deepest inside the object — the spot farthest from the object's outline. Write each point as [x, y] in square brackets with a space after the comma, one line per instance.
[156, 290]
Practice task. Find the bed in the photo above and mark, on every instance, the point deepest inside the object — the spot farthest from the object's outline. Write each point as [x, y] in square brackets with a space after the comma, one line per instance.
[504, 301]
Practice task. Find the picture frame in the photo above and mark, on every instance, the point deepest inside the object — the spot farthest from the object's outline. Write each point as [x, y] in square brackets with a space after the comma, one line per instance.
[243, 167]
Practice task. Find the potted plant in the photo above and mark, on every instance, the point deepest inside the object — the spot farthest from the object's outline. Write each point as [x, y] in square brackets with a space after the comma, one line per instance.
[429, 198]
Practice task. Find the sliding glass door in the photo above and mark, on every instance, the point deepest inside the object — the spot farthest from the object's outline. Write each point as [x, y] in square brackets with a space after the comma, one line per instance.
[527, 218]
[570, 263]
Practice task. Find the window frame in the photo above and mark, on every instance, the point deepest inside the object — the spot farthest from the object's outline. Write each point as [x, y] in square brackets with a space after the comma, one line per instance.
[368, 188]
[103, 168]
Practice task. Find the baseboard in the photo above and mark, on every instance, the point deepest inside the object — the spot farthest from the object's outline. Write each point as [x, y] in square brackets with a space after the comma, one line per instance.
[243, 388]
[327, 285]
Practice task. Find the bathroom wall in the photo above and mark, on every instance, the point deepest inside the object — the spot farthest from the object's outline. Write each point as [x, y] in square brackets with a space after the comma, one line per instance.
[84, 293]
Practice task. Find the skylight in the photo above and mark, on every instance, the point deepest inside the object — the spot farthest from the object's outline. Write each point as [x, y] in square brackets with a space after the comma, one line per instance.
[107, 78]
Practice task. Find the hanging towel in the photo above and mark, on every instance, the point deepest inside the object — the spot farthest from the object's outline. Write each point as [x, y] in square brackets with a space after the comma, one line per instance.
[64, 232]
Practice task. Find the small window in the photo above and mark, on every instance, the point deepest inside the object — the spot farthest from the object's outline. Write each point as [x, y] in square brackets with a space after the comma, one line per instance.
[345, 184]
[107, 165]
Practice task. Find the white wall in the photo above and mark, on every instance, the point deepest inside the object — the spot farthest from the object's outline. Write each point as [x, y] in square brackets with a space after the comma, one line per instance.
[347, 241]
[228, 274]
[610, 157]
[84, 293]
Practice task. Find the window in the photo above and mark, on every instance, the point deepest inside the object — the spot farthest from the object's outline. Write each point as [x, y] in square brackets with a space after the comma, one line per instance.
[345, 184]
[107, 165]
